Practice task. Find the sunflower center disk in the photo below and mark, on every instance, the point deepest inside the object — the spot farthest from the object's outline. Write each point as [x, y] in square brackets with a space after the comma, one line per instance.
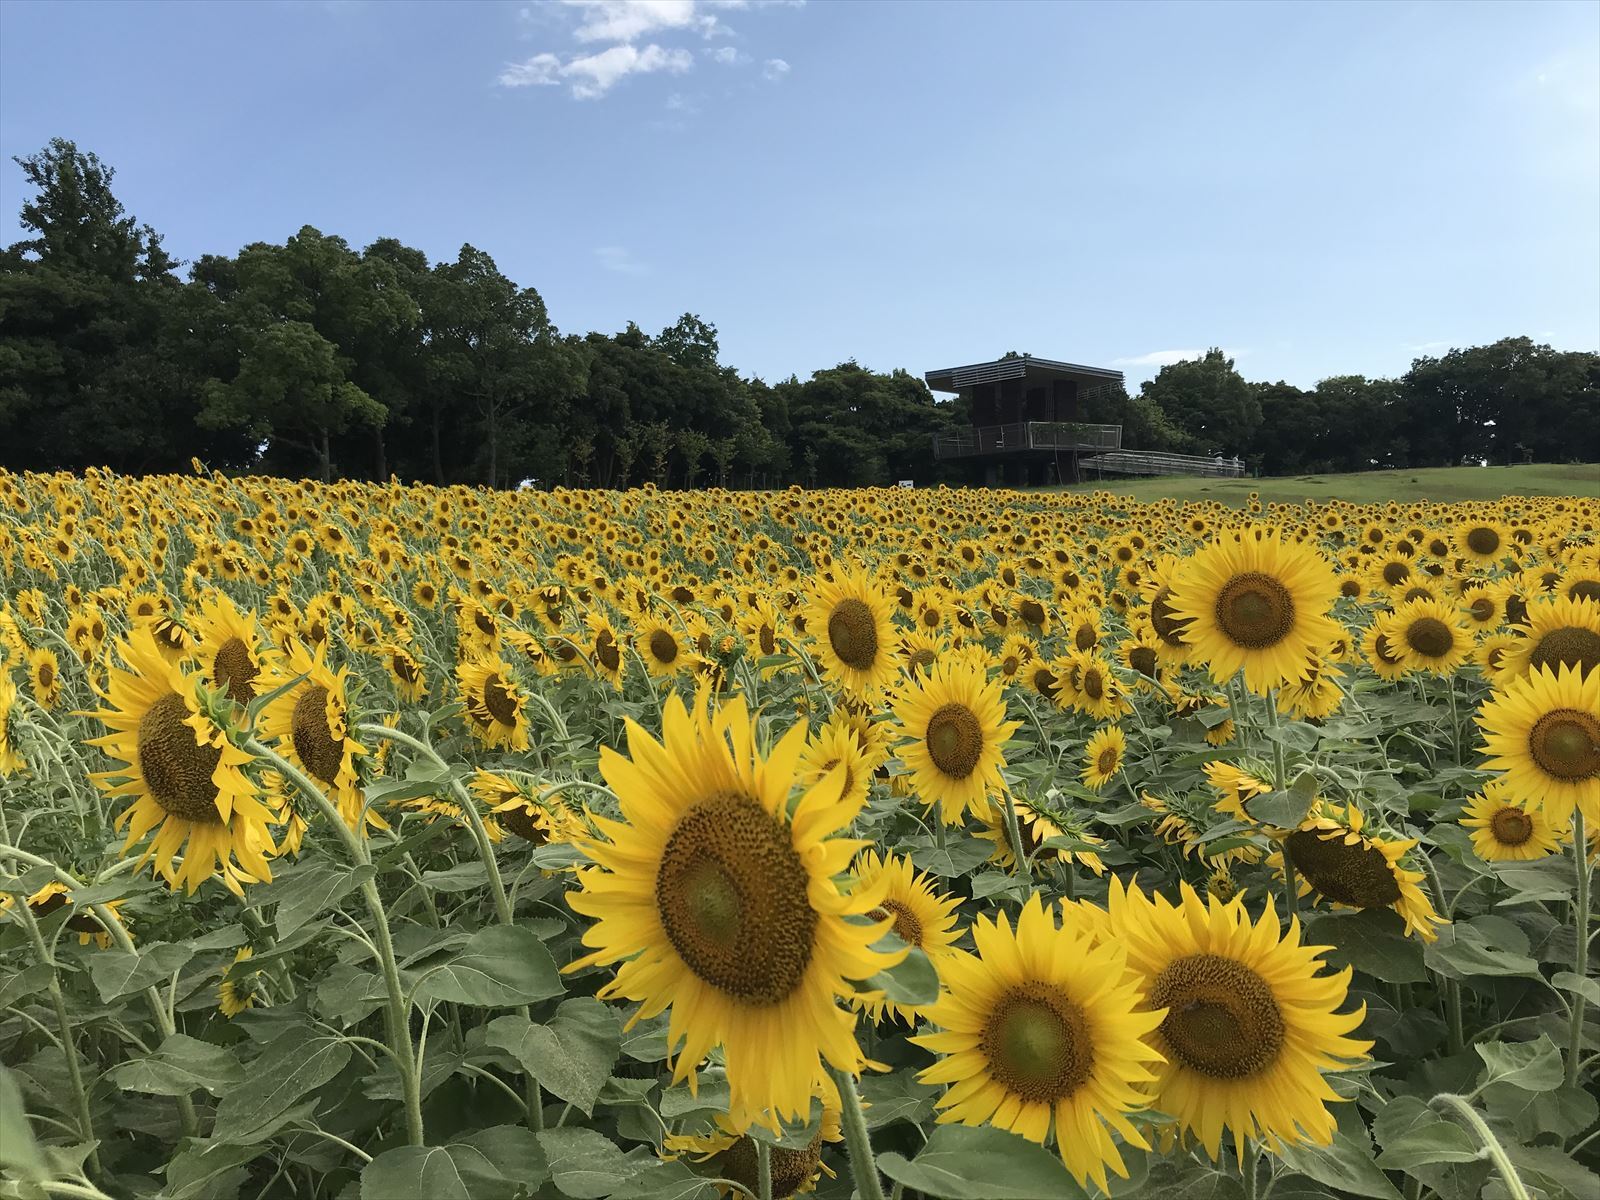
[1164, 621]
[1395, 573]
[1482, 540]
[790, 1168]
[176, 767]
[906, 925]
[234, 671]
[1255, 610]
[1566, 743]
[853, 633]
[1511, 826]
[313, 741]
[663, 646]
[1569, 646]
[955, 740]
[605, 649]
[1037, 1043]
[1094, 686]
[1031, 611]
[1143, 660]
[1482, 609]
[732, 897]
[1358, 875]
[1430, 637]
[499, 702]
[1585, 589]
[1107, 762]
[520, 822]
[1222, 1018]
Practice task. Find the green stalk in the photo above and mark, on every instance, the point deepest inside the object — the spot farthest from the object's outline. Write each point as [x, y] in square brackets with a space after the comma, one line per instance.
[1580, 955]
[399, 1023]
[1491, 1144]
[863, 1167]
[763, 1171]
[1452, 987]
[1014, 834]
[80, 1095]
[1291, 881]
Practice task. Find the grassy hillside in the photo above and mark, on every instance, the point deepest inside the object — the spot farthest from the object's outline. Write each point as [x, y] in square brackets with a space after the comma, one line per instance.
[1367, 487]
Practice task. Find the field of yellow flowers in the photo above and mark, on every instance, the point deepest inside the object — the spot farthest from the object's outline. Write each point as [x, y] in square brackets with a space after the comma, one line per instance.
[366, 842]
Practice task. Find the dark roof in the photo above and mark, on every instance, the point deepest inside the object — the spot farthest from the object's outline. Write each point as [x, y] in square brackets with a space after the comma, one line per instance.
[955, 379]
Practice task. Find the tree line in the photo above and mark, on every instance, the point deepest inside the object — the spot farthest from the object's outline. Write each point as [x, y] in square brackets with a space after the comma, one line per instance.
[315, 358]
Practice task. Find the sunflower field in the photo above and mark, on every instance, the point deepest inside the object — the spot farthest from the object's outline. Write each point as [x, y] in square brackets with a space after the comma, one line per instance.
[366, 842]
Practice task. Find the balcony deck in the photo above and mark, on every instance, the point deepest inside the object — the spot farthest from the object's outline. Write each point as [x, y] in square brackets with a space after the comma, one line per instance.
[1021, 437]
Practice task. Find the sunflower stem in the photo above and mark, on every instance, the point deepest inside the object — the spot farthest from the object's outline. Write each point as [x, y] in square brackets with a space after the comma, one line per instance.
[1250, 1171]
[383, 940]
[1452, 987]
[1486, 1138]
[1580, 953]
[64, 1023]
[1014, 834]
[763, 1170]
[1455, 719]
[863, 1167]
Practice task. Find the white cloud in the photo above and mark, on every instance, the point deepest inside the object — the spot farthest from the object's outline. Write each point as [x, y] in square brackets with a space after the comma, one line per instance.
[726, 55]
[774, 69]
[629, 20]
[1165, 358]
[617, 258]
[593, 75]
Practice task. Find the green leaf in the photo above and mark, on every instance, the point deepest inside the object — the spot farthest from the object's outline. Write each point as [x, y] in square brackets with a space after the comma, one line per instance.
[116, 972]
[178, 1067]
[1552, 1171]
[204, 1171]
[291, 1067]
[1580, 985]
[1296, 735]
[1348, 1165]
[585, 1164]
[311, 891]
[1531, 1066]
[1466, 950]
[454, 1172]
[19, 1149]
[1285, 809]
[500, 966]
[33, 978]
[667, 1181]
[897, 1097]
[572, 1056]
[957, 858]
[1563, 1111]
[910, 981]
[515, 1152]
[1372, 941]
[982, 1163]
[1413, 1134]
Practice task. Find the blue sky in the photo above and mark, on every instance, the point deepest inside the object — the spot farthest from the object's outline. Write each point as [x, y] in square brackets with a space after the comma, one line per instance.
[1318, 188]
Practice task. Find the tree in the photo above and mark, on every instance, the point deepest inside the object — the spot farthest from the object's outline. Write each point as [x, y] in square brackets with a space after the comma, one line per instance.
[1208, 402]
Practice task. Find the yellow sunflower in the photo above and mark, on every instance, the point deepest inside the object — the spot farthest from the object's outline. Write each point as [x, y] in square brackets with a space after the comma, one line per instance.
[1543, 731]
[1335, 859]
[1504, 830]
[228, 645]
[855, 642]
[44, 676]
[1250, 1023]
[1235, 788]
[84, 922]
[1428, 635]
[955, 726]
[1387, 660]
[1258, 603]
[732, 1154]
[836, 745]
[664, 649]
[1564, 632]
[603, 650]
[311, 725]
[1483, 542]
[525, 811]
[494, 703]
[1102, 757]
[717, 898]
[922, 918]
[1037, 822]
[238, 990]
[1043, 1030]
[185, 776]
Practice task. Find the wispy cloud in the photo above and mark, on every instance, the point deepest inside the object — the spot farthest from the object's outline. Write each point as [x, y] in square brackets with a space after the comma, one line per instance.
[1164, 358]
[637, 37]
[618, 259]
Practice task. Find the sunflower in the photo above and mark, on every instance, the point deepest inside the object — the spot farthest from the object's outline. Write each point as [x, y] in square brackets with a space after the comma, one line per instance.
[1428, 635]
[849, 619]
[1043, 1029]
[1504, 830]
[228, 644]
[955, 726]
[404, 671]
[1250, 1021]
[311, 724]
[1037, 822]
[1483, 542]
[836, 745]
[1563, 632]
[717, 897]
[185, 776]
[494, 703]
[922, 918]
[84, 922]
[1338, 861]
[1235, 788]
[1089, 685]
[794, 1171]
[604, 651]
[530, 814]
[1543, 731]
[1015, 653]
[238, 988]
[663, 648]
[1102, 757]
[1258, 603]
[1387, 660]
[44, 676]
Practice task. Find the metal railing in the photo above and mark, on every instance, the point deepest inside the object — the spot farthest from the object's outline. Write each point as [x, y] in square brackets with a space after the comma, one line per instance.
[1156, 462]
[1027, 435]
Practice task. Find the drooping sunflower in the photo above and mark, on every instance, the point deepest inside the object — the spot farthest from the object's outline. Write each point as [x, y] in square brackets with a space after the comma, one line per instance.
[312, 727]
[238, 990]
[11, 760]
[1428, 635]
[1043, 1030]
[603, 650]
[1250, 1022]
[953, 720]
[1504, 830]
[44, 676]
[1102, 757]
[83, 921]
[1235, 788]
[849, 618]
[1337, 860]
[1038, 821]
[524, 810]
[922, 918]
[404, 671]
[1258, 603]
[1563, 632]
[732, 1154]
[1543, 731]
[183, 772]
[229, 647]
[718, 899]
[494, 702]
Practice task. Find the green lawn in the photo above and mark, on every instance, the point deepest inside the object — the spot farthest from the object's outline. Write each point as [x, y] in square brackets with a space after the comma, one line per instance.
[1368, 487]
